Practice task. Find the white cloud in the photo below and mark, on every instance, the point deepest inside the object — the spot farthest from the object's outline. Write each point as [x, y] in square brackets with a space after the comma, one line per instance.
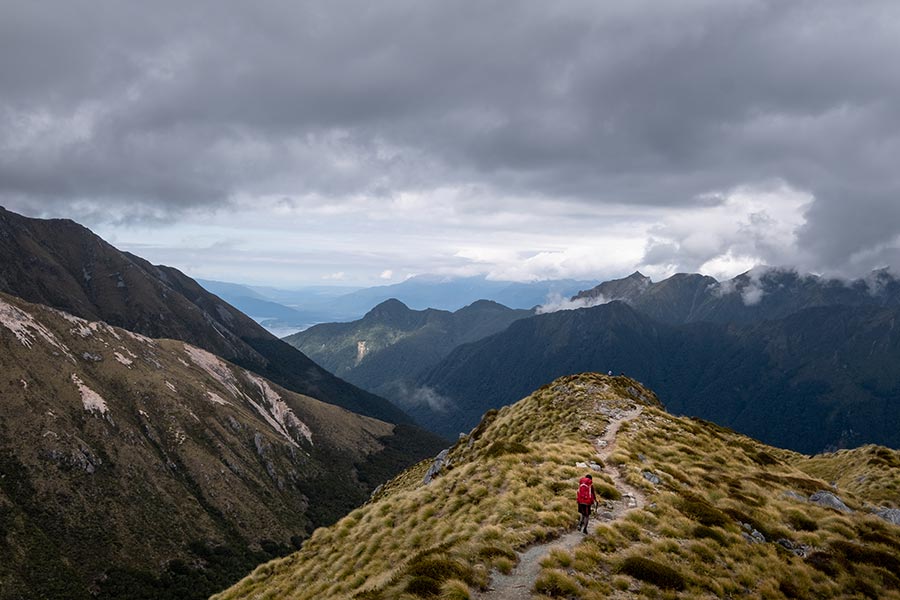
[556, 302]
[386, 274]
[735, 230]
[408, 396]
[537, 132]
[338, 276]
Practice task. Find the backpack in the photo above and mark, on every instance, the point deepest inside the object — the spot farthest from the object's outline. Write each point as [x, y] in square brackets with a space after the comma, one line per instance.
[584, 491]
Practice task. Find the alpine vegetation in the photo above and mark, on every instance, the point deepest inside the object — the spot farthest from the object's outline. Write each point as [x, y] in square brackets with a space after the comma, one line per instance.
[687, 509]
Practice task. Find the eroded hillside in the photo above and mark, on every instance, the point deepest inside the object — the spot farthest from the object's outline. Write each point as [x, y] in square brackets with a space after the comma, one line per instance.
[132, 467]
[720, 515]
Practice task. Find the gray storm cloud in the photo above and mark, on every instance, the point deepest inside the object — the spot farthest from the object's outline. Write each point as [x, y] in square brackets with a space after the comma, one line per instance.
[146, 110]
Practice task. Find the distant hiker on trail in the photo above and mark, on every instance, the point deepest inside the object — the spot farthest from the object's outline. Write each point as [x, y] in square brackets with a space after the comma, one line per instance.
[586, 497]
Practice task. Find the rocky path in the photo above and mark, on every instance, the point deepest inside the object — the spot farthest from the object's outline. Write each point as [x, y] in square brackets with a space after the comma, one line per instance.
[519, 583]
[631, 496]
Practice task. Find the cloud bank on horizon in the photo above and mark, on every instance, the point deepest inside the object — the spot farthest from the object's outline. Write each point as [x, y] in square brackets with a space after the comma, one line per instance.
[572, 139]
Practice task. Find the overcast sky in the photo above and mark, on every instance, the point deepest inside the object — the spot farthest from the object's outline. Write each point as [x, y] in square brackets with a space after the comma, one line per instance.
[361, 142]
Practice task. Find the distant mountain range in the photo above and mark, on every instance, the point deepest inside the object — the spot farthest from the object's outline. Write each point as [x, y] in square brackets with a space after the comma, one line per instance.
[801, 362]
[392, 345]
[758, 295]
[788, 368]
[287, 310]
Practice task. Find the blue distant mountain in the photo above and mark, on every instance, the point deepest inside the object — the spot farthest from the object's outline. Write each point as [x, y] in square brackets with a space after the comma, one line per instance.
[453, 293]
[281, 310]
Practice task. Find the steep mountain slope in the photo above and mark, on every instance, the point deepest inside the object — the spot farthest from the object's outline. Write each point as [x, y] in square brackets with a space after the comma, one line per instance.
[760, 294]
[820, 378]
[61, 264]
[388, 348]
[687, 510]
[140, 468]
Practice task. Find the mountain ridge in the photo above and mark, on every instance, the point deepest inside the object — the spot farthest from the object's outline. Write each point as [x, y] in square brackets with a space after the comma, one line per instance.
[825, 371]
[759, 294]
[724, 515]
[62, 264]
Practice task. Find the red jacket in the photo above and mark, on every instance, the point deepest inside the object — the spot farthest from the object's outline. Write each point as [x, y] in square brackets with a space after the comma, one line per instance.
[586, 493]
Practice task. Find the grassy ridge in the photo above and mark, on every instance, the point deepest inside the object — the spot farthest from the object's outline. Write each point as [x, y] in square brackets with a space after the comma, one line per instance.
[509, 484]
[729, 516]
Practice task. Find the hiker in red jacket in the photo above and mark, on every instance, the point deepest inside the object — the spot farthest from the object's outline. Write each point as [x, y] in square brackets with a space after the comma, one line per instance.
[586, 497]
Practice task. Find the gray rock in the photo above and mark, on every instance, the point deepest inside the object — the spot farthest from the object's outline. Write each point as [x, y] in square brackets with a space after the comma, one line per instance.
[91, 357]
[829, 500]
[594, 466]
[437, 466]
[752, 535]
[651, 477]
[801, 550]
[642, 458]
[261, 446]
[634, 393]
[891, 515]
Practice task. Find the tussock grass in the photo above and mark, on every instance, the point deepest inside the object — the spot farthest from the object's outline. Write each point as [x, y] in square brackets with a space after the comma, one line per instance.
[512, 482]
[653, 572]
[556, 583]
[872, 472]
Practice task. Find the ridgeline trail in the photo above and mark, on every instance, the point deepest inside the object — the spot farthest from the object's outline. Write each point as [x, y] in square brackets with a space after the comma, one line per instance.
[518, 585]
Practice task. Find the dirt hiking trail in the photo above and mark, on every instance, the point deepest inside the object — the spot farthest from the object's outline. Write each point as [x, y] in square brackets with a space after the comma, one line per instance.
[519, 583]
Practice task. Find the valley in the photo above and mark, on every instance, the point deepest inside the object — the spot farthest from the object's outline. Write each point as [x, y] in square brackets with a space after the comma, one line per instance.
[145, 416]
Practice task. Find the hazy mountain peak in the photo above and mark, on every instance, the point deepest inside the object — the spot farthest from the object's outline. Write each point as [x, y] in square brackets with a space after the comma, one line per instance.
[483, 305]
[390, 311]
[389, 305]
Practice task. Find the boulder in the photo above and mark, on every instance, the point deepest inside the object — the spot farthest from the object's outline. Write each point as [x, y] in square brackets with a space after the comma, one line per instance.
[651, 477]
[829, 500]
[891, 515]
[437, 466]
[752, 535]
